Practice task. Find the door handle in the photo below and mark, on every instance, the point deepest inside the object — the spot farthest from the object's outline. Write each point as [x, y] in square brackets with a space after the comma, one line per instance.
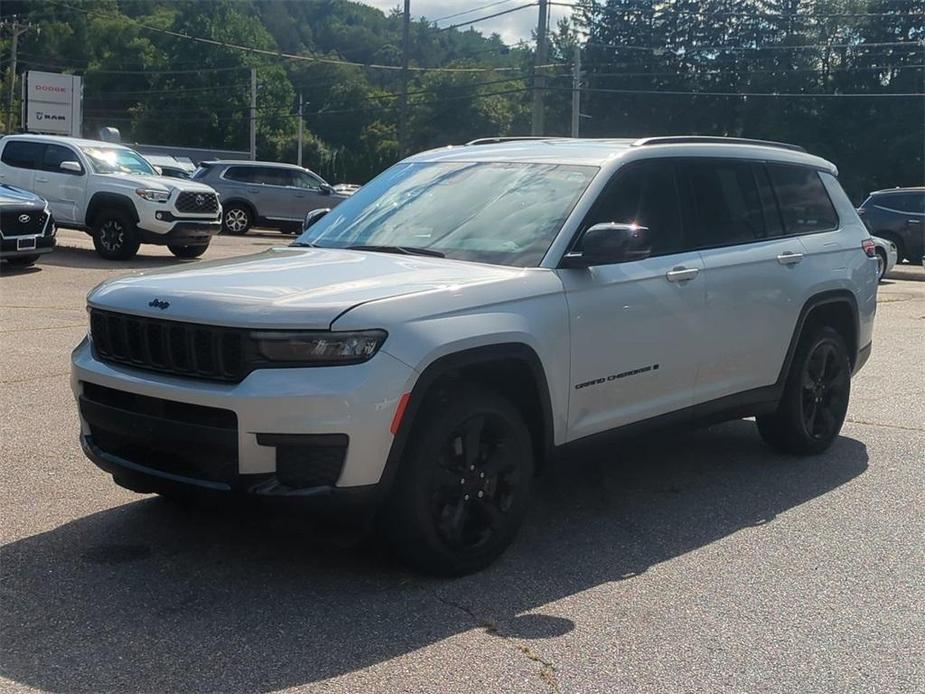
[41, 180]
[682, 274]
[914, 221]
[789, 258]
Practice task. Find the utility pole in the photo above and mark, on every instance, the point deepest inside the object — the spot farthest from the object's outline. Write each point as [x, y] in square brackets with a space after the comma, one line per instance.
[253, 114]
[403, 99]
[539, 75]
[300, 129]
[17, 29]
[576, 90]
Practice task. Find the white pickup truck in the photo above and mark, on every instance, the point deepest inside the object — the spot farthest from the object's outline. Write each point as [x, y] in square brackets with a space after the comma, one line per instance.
[111, 192]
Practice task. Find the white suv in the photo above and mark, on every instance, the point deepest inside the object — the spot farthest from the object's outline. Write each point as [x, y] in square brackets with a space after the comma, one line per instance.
[113, 193]
[424, 348]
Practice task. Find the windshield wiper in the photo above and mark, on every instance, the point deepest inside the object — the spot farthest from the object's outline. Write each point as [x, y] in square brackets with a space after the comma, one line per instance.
[303, 244]
[401, 250]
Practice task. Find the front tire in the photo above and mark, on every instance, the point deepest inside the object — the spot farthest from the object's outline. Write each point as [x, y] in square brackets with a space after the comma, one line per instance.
[187, 251]
[815, 401]
[464, 486]
[22, 260]
[236, 220]
[115, 236]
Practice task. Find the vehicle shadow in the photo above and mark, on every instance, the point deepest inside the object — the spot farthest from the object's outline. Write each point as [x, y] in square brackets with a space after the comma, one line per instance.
[87, 258]
[7, 270]
[150, 597]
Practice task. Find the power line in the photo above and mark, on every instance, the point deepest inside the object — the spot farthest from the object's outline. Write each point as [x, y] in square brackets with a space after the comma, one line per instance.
[488, 16]
[672, 92]
[682, 50]
[474, 9]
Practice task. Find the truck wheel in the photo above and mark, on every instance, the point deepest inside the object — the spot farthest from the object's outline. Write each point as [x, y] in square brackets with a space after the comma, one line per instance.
[22, 260]
[236, 220]
[187, 251]
[464, 486]
[115, 236]
[815, 401]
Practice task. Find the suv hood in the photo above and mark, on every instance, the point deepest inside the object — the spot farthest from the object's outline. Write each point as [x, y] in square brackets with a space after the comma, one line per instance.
[287, 287]
[158, 183]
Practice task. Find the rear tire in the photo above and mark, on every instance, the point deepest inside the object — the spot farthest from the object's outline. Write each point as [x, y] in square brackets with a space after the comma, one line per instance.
[464, 484]
[881, 265]
[22, 260]
[815, 401]
[188, 251]
[115, 236]
[236, 219]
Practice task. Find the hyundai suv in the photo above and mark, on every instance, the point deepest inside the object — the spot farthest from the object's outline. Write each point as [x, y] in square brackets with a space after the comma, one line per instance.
[266, 194]
[419, 353]
[113, 193]
[898, 215]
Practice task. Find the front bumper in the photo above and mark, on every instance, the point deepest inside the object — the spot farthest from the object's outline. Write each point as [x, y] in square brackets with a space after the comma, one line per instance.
[158, 220]
[21, 245]
[267, 416]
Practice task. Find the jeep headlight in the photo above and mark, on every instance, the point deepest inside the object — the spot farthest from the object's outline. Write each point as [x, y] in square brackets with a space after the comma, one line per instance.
[152, 195]
[318, 348]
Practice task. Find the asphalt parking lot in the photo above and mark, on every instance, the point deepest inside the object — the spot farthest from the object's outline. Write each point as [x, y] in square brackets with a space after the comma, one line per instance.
[696, 561]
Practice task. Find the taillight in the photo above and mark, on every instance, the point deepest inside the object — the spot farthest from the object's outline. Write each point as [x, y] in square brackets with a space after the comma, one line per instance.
[869, 248]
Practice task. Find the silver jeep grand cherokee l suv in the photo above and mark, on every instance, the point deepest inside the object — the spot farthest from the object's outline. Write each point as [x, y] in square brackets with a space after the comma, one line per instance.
[421, 351]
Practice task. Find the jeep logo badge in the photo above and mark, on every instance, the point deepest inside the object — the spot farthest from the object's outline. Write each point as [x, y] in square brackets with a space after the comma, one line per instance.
[24, 218]
[157, 303]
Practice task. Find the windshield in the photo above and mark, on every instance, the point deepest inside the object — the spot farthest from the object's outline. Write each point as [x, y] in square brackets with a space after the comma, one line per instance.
[500, 213]
[107, 160]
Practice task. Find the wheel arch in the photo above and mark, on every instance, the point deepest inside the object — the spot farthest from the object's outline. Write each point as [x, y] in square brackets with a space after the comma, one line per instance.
[513, 368]
[837, 308]
[240, 202]
[102, 201]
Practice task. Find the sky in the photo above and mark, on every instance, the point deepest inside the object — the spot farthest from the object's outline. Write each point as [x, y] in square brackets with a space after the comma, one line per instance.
[513, 27]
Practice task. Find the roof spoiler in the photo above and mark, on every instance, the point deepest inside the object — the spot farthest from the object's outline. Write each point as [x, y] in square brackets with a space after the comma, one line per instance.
[713, 140]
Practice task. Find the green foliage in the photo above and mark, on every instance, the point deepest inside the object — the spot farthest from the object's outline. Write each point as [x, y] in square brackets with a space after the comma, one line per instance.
[158, 87]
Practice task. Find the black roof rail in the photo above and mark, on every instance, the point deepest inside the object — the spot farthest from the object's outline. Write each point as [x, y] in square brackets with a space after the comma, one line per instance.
[493, 140]
[712, 140]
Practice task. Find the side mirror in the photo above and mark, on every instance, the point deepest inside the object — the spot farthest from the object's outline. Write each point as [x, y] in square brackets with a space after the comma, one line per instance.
[314, 216]
[609, 243]
[326, 189]
[71, 167]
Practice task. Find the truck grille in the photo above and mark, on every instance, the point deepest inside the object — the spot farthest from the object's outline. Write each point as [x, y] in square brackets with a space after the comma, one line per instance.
[183, 349]
[200, 203]
[12, 224]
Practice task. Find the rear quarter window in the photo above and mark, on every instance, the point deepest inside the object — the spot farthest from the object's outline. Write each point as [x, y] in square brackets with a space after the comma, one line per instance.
[805, 206]
[22, 154]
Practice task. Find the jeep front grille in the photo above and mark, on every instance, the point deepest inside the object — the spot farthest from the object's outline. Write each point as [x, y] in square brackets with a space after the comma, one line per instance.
[182, 349]
[200, 203]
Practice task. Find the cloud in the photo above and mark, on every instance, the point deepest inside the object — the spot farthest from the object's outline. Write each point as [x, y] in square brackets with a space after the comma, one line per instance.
[512, 27]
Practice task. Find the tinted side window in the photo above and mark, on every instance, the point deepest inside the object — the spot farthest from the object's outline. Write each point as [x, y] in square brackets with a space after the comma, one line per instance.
[645, 194]
[54, 155]
[804, 203]
[243, 174]
[726, 205]
[904, 202]
[272, 177]
[23, 155]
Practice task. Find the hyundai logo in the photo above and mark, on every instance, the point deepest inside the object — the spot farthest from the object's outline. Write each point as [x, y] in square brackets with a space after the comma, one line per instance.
[157, 303]
[200, 200]
[24, 218]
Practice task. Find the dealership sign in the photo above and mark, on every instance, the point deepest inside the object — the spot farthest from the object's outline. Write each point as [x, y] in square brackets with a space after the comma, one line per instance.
[54, 103]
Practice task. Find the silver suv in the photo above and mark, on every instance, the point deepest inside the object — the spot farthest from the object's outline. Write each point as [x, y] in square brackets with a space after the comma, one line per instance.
[420, 352]
[266, 194]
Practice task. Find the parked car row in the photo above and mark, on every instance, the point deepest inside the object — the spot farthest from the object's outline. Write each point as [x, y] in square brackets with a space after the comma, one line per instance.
[123, 199]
